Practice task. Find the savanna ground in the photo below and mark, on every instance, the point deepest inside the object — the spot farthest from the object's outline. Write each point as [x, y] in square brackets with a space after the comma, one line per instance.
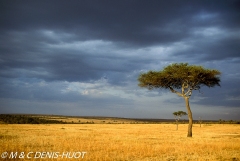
[120, 142]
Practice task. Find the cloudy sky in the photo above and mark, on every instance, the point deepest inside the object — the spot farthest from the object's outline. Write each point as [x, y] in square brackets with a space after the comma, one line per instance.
[83, 57]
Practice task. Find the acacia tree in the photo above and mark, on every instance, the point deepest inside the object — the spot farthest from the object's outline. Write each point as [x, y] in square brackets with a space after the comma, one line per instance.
[183, 77]
[178, 115]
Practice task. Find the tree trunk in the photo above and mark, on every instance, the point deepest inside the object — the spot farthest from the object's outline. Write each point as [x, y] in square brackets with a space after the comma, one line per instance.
[177, 124]
[189, 117]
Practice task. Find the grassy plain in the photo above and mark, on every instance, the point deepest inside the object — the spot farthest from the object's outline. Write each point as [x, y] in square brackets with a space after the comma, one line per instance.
[120, 142]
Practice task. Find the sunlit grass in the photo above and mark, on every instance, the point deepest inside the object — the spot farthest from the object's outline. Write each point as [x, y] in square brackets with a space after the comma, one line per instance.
[125, 141]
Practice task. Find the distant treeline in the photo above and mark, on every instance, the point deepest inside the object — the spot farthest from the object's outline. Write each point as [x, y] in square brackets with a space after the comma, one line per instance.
[24, 119]
[46, 119]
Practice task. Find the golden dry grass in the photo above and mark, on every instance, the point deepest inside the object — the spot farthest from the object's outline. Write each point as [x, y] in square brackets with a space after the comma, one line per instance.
[119, 142]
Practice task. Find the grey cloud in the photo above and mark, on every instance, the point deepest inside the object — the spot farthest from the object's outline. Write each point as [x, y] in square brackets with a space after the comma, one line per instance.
[35, 57]
[123, 21]
[84, 41]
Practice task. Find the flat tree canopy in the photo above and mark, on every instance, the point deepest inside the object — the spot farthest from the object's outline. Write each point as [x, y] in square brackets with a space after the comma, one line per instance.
[181, 76]
[179, 113]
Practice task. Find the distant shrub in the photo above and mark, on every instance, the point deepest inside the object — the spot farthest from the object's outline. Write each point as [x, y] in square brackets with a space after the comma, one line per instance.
[25, 119]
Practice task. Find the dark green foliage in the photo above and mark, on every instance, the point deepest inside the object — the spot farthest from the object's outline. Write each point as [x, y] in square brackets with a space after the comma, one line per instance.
[177, 75]
[24, 119]
[179, 113]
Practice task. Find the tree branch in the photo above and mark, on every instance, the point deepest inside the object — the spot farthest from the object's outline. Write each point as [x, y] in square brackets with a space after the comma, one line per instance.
[188, 93]
[178, 93]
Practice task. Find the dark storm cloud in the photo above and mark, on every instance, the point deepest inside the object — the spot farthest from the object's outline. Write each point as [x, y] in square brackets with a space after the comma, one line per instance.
[227, 95]
[137, 22]
[61, 42]
[53, 56]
